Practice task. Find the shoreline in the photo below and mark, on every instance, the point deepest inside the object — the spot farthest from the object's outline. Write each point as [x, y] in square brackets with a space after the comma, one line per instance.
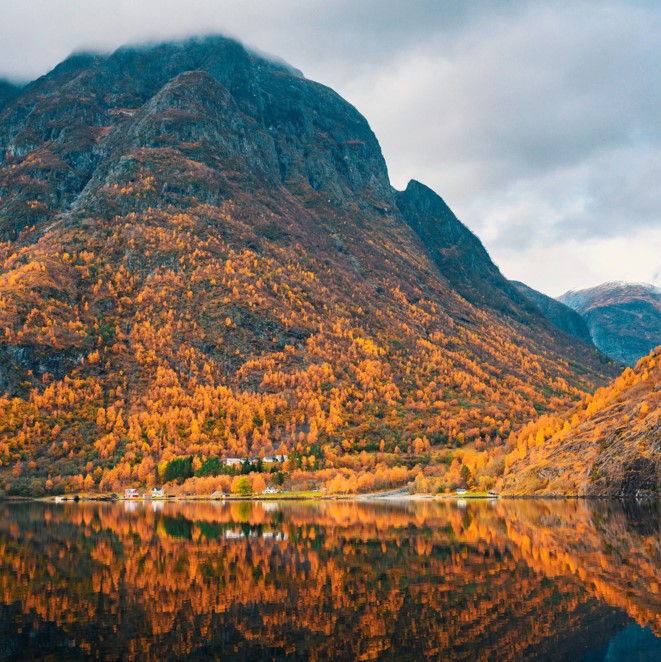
[389, 495]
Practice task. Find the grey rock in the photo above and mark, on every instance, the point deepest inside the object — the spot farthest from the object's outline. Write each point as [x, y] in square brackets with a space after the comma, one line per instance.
[624, 319]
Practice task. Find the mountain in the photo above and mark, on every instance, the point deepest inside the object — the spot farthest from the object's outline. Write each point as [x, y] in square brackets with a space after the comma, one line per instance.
[202, 255]
[624, 318]
[459, 255]
[465, 264]
[561, 315]
[609, 445]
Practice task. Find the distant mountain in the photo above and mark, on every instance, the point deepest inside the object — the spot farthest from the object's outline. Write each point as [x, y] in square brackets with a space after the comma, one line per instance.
[201, 255]
[610, 445]
[558, 313]
[624, 318]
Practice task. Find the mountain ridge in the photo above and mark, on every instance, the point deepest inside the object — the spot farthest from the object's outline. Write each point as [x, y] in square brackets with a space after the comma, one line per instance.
[561, 315]
[458, 253]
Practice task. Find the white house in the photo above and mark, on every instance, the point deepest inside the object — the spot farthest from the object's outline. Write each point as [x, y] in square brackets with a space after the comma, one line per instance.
[269, 459]
[157, 493]
[270, 490]
[131, 493]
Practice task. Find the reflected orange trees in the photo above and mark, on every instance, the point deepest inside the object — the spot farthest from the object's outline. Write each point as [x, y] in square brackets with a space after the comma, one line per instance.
[329, 579]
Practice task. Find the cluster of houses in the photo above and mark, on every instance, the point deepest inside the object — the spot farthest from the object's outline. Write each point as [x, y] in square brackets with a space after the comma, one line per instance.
[133, 493]
[269, 459]
[158, 492]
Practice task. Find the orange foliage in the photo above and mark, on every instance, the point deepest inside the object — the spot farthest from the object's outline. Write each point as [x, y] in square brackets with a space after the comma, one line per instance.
[173, 340]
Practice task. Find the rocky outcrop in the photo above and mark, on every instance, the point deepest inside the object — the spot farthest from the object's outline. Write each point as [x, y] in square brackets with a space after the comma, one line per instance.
[209, 99]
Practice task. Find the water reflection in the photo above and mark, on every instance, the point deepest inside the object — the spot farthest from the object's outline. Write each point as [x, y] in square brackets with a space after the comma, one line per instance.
[503, 580]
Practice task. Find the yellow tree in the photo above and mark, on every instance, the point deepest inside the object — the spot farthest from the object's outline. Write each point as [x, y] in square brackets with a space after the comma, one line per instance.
[258, 484]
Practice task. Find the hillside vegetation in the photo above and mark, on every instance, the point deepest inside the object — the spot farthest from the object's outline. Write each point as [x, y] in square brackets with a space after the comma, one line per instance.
[610, 444]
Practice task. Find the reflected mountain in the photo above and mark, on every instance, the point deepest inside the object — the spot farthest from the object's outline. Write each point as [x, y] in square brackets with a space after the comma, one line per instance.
[506, 580]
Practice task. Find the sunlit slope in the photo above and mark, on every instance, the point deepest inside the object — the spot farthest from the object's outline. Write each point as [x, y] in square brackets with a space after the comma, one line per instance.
[610, 444]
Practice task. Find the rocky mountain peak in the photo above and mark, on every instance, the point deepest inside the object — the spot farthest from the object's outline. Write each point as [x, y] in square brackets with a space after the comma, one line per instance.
[214, 102]
[459, 254]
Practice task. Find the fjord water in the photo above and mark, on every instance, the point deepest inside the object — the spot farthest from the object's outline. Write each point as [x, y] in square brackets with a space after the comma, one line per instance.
[477, 580]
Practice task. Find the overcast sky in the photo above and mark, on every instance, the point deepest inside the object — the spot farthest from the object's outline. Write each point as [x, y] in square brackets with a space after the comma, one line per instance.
[538, 122]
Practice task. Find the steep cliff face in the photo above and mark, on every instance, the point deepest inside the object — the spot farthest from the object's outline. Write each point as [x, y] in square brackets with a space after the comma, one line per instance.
[559, 314]
[202, 254]
[253, 121]
[624, 318]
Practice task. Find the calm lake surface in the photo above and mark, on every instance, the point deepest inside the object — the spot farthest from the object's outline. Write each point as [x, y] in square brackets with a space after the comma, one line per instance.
[477, 580]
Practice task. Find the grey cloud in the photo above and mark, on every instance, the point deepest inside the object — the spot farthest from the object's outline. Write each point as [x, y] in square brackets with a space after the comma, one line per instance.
[537, 130]
[526, 98]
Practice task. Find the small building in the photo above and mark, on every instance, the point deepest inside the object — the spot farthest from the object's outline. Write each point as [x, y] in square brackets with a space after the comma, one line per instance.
[461, 491]
[157, 493]
[232, 461]
[131, 493]
[270, 490]
[270, 459]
